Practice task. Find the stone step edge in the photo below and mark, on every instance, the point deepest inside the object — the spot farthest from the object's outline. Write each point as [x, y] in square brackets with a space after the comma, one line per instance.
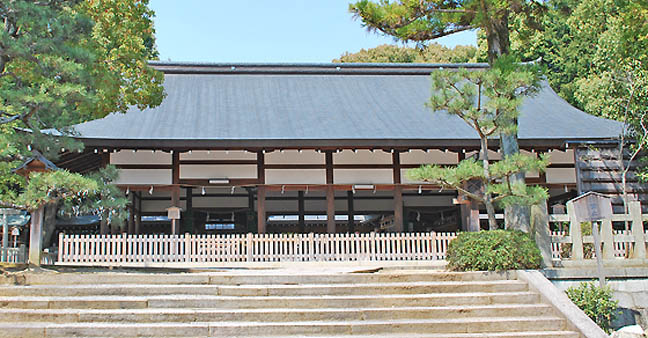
[217, 297]
[261, 286]
[71, 311]
[99, 325]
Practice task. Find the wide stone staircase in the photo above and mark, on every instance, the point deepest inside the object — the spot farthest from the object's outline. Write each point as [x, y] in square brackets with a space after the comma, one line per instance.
[233, 303]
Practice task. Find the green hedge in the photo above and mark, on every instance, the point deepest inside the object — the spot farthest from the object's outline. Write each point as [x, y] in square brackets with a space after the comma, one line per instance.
[493, 250]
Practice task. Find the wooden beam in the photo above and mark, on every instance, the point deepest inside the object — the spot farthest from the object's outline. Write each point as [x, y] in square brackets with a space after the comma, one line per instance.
[175, 167]
[396, 165]
[350, 212]
[261, 213]
[300, 210]
[144, 166]
[261, 167]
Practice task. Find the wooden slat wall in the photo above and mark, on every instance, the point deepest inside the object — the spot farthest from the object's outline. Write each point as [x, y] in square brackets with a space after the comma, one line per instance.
[598, 169]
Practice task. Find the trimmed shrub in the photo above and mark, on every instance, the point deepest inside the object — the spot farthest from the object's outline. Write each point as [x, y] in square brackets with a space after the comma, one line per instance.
[596, 302]
[493, 250]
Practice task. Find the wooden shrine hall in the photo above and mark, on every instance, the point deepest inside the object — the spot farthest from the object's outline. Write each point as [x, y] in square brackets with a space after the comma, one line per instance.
[300, 148]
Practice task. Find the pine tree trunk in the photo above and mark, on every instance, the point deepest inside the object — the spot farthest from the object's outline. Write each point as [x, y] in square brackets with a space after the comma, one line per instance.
[490, 209]
[497, 35]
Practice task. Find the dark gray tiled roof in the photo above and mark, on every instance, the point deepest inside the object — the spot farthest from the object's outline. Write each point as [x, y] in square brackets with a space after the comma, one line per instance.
[322, 102]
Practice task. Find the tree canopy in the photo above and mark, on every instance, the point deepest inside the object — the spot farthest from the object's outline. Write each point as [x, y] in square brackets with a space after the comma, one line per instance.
[432, 53]
[488, 101]
[64, 62]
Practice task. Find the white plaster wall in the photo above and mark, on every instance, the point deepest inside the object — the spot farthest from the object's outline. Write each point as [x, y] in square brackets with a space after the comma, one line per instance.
[295, 176]
[217, 171]
[360, 176]
[557, 156]
[561, 175]
[144, 176]
[362, 157]
[140, 157]
[218, 155]
[295, 157]
[432, 156]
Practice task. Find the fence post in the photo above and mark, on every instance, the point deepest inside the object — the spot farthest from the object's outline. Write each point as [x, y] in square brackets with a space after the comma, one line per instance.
[250, 247]
[60, 248]
[637, 230]
[541, 232]
[124, 244]
[607, 237]
[187, 246]
[575, 233]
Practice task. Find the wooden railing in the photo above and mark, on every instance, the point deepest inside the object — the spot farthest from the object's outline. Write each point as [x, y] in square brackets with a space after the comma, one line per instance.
[146, 249]
[616, 243]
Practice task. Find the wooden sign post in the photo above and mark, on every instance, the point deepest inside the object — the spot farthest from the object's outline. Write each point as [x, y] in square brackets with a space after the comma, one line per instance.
[593, 207]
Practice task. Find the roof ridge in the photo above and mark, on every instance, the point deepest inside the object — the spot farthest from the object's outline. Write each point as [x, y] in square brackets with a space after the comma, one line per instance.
[173, 67]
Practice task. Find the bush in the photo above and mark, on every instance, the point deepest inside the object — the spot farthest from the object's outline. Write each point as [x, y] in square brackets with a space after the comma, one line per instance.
[493, 250]
[596, 302]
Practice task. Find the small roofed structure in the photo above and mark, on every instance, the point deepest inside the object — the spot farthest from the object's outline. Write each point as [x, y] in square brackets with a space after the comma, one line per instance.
[36, 163]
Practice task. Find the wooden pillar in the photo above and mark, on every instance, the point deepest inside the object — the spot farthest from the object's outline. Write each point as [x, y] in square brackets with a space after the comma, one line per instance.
[261, 193]
[301, 212]
[175, 167]
[330, 194]
[131, 216]
[350, 212]
[261, 213]
[138, 217]
[188, 215]
[398, 192]
[35, 236]
[175, 202]
[398, 209]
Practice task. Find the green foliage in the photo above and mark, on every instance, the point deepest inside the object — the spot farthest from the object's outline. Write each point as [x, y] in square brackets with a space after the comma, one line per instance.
[65, 62]
[106, 200]
[494, 250]
[596, 302]
[421, 21]
[51, 187]
[432, 53]
[488, 101]
[62, 63]
[596, 54]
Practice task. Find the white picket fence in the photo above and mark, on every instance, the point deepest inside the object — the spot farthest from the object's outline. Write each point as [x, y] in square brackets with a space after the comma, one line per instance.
[146, 249]
[13, 255]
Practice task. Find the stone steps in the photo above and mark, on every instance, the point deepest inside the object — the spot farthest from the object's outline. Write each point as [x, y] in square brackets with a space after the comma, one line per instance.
[265, 290]
[254, 304]
[150, 315]
[261, 329]
[250, 278]
[231, 302]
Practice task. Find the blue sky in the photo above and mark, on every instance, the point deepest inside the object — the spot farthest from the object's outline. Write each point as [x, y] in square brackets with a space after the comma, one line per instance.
[264, 31]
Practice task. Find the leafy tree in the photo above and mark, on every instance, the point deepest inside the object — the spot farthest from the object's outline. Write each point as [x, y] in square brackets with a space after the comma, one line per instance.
[487, 101]
[597, 56]
[425, 20]
[63, 62]
[432, 53]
